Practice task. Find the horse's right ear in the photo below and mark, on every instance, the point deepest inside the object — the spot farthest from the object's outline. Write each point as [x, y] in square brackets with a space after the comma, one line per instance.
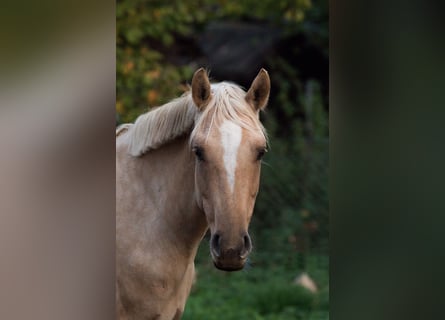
[200, 88]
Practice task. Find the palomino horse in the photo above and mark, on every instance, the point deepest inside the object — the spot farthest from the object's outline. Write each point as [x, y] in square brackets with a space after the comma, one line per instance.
[189, 165]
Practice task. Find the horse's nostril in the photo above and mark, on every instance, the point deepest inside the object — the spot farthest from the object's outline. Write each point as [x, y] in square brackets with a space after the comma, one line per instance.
[247, 246]
[215, 244]
[247, 242]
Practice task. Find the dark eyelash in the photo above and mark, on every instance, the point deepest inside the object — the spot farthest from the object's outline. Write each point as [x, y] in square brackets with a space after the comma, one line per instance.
[261, 153]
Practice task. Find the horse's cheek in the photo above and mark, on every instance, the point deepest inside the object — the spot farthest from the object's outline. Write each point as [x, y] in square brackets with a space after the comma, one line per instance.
[201, 183]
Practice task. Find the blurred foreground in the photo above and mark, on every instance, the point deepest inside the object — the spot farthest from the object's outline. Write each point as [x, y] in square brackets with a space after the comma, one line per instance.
[57, 95]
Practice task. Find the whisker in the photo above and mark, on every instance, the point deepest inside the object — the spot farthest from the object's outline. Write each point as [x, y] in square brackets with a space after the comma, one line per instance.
[266, 164]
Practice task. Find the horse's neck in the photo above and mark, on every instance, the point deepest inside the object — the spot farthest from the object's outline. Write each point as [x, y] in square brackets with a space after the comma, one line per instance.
[168, 174]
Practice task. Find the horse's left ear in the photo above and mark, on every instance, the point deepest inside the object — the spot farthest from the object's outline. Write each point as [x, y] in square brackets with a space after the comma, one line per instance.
[258, 93]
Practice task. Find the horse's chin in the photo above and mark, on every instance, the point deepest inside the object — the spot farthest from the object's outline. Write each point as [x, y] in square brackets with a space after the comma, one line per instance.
[228, 267]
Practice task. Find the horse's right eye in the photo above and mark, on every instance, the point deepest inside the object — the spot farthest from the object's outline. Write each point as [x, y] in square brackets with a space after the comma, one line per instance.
[261, 153]
[199, 153]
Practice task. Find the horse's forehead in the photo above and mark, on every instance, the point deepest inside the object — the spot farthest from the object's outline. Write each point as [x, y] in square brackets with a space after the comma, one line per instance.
[229, 133]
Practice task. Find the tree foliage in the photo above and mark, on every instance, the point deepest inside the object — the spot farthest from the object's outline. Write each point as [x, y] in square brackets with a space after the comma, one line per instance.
[146, 33]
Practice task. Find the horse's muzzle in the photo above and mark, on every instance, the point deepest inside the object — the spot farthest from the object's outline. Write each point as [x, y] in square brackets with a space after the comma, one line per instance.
[231, 258]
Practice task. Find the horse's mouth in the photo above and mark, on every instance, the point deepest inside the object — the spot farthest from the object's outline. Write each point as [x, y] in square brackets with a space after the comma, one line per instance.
[228, 267]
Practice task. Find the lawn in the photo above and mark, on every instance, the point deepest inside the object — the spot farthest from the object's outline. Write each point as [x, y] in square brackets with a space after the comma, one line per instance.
[262, 291]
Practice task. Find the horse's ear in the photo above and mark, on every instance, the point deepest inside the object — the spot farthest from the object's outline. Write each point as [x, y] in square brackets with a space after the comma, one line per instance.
[258, 93]
[200, 88]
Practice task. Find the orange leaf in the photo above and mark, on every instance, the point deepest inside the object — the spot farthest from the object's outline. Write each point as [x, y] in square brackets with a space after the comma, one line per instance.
[152, 96]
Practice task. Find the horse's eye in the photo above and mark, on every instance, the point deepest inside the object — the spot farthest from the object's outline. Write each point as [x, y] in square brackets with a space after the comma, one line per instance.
[199, 153]
[261, 153]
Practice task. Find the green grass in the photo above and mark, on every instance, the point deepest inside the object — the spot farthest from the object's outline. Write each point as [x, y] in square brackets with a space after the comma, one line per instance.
[262, 291]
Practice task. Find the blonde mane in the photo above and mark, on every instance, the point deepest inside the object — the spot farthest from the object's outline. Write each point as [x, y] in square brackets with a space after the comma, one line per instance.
[228, 103]
[180, 116]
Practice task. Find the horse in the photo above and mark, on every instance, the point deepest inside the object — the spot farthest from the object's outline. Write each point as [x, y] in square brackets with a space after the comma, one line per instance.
[190, 165]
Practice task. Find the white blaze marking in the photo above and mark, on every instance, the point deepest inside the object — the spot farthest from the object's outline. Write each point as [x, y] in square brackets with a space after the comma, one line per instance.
[231, 138]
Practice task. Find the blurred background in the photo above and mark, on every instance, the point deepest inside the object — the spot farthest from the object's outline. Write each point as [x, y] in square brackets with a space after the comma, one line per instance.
[159, 46]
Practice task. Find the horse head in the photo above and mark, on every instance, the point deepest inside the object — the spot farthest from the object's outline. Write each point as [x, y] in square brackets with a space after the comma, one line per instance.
[228, 141]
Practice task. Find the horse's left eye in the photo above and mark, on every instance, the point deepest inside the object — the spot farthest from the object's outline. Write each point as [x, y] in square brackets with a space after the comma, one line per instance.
[261, 153]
